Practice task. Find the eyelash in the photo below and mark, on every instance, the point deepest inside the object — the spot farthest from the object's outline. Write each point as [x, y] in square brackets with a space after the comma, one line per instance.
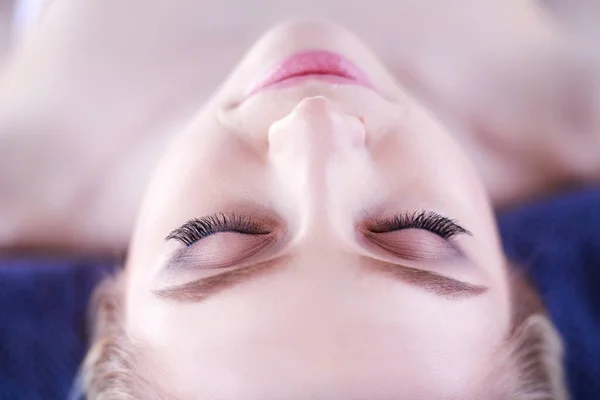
[199, 228]
[427, 220]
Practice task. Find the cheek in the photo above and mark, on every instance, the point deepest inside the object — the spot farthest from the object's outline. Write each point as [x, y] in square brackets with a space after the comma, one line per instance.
[203, 172]
[429, 171]
[426, 164]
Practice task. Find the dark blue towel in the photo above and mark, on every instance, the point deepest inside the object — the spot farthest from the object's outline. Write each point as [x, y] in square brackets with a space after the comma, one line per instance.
[558, 242]
[43, 324]
[43, 302]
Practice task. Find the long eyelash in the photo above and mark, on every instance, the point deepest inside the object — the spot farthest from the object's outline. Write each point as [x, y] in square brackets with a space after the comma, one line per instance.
[198, 228]
[429, 220]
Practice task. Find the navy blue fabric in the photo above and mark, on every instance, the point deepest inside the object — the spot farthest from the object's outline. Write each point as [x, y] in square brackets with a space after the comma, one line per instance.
[43, 302]
[43, 324]
[558, 243]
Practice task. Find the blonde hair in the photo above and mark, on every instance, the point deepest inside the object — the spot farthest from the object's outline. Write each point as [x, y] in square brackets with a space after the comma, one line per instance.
[529, 365]
[111, 369]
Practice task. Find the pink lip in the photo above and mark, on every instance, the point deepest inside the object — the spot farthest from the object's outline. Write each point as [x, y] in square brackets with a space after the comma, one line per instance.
[320, 65]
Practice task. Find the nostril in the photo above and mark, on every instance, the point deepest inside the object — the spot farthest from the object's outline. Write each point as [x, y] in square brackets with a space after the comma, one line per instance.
[277, 134]
[314, 104]
[359, 133]
[319, 123]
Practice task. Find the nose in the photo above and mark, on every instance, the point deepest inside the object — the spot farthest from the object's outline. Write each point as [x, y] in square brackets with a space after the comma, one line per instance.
[314, 149]
[317, 120]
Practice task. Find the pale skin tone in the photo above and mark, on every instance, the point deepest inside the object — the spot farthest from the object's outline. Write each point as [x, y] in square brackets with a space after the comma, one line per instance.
[334, 310]
[332, 307]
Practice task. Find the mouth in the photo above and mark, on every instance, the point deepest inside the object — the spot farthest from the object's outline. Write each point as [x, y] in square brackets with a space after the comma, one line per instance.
[312, 65]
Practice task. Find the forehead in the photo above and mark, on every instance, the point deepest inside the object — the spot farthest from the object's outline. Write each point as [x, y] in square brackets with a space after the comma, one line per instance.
[342, 368]
[287, 338]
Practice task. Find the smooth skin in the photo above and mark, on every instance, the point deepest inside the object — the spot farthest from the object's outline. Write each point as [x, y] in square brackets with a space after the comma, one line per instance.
[329, 315]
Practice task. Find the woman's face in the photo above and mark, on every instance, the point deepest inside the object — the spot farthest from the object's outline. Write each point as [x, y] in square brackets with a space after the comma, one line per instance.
[326, 240]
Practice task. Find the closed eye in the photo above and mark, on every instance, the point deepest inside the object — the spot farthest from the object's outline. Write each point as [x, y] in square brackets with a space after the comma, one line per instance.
[223, 250]
[416, 236]
[414, 245]
[427, 220]
[220, 240]
[200, 228]
[229, 238]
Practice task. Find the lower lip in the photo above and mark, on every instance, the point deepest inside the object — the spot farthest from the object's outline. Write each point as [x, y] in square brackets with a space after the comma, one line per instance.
[313, 65]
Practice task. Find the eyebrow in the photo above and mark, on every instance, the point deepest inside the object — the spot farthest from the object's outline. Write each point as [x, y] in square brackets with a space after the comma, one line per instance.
[440, 285]
[203, 288]
[429, 281]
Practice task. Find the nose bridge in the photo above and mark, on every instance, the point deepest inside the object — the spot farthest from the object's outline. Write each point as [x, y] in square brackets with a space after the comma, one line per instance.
[308, 149]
